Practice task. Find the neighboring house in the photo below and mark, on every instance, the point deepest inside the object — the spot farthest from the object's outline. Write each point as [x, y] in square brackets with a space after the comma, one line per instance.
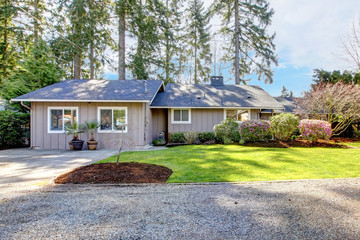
[145, 107]
[289, 107]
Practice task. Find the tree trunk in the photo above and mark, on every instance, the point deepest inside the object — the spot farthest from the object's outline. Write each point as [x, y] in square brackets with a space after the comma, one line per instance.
[36, 23]
[92, 67]
[77, 66]
[92, 39]
[167, 50]
[237, 47]
[121, 46]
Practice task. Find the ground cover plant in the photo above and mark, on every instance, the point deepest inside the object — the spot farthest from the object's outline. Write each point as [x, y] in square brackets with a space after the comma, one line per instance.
[229, 163]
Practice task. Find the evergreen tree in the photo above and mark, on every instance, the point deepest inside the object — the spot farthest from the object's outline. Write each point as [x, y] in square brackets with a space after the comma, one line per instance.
[170, 50]
[198, 41]
[144, 22]
[10, 38]
[32, 74]
[284, 92]
[246, 23]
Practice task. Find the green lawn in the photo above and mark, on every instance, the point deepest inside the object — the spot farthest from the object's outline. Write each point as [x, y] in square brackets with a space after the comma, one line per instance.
[352, 144]
[232, 163]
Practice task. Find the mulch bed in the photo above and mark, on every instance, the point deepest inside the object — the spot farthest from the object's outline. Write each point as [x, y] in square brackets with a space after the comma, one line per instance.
[129, 172]
[296, 143]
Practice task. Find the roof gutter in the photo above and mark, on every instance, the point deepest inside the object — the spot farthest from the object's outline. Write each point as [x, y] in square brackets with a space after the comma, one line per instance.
[68, 100]
[239, 107]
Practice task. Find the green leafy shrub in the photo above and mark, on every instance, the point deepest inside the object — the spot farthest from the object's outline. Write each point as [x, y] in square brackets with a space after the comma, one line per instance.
[206, 137]
[254, 131]
[190, 137]
[314, 130]
[283, 126]
[159, 142]
[13, 128]
[177, 137]
[228, 131]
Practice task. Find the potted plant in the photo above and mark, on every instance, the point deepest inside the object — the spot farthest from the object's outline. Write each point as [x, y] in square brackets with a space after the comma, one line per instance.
[75, 129]
[91, 126]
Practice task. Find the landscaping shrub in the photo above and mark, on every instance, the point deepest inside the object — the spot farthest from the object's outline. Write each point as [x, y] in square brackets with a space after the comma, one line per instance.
[190, 137]
[159, 142]
[177, 137]
[283, 126]
[206, 137]
[314, 130]
[228, 131]
[13, 128]
[254, 131]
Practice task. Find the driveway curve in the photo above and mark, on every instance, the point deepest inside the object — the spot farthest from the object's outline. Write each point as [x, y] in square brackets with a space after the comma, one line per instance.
[24, 166]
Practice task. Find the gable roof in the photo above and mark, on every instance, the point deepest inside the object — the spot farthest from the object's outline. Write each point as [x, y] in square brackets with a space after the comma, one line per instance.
[209, 96]
[288, 103]
[96, 91]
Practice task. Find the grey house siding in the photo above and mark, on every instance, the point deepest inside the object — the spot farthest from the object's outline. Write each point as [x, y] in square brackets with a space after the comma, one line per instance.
[40, 138]
[159, 122]
[202, 120]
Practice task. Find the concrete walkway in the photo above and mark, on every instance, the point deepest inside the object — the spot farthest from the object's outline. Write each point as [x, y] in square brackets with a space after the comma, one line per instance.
[23, 166]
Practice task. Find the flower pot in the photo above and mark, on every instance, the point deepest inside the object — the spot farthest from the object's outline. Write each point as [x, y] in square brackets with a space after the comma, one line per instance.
[92, 145]
[78, 144]
[71, 145]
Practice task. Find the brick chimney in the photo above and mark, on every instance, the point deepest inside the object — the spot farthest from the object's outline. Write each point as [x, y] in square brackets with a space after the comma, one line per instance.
[217, 80]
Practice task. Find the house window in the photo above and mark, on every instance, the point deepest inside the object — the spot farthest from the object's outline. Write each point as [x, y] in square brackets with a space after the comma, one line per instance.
[112, 119]
[180, 116]
[60, 117]
[237, 114]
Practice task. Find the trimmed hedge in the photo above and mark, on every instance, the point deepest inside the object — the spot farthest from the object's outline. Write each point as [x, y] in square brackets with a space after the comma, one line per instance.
[284, 125]
[14, 127]
[177, 137]
[206, 137]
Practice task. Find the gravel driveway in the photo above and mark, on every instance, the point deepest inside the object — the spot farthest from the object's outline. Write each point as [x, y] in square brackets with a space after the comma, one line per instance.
[309, 209]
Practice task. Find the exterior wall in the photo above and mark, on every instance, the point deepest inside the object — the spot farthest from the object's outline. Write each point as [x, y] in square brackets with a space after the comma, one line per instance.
[159, 122]
[40, 137]
[202, 120]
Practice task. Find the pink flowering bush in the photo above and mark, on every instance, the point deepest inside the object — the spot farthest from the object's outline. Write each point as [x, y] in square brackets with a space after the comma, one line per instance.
[314, 130]
[254, 131]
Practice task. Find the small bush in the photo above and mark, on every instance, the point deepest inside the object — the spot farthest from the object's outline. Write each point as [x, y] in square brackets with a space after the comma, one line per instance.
[177, 137]
[254, 131]
[314, 130]
[283, 126]
[190, 137]
[13, 128]
[356, 130]
[228, 131]
[159, 142]
[206, 137]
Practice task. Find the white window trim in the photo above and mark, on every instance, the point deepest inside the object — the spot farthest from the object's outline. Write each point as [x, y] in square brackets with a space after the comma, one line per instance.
[180, 122]
[62, 108]
[112, 119]
[236, 109]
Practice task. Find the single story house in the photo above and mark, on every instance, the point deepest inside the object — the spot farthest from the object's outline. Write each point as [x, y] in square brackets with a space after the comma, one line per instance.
[289, 104]
[139, 109]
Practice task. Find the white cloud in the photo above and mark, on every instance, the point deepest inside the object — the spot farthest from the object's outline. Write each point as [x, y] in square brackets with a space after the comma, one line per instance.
[308, 32]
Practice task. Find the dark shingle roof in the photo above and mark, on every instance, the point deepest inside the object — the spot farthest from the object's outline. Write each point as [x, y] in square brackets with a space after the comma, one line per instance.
[201, 95]
[95, 90]
[288, 103]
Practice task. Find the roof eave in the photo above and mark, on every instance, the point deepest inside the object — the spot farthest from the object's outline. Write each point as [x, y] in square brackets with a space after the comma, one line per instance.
[72, 100]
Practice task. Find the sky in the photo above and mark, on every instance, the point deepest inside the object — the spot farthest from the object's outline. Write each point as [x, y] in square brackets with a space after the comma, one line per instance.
[309, 36]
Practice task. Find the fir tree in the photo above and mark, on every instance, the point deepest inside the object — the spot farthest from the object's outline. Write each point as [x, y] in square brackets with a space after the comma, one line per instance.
[198, 41]
[252, 50]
